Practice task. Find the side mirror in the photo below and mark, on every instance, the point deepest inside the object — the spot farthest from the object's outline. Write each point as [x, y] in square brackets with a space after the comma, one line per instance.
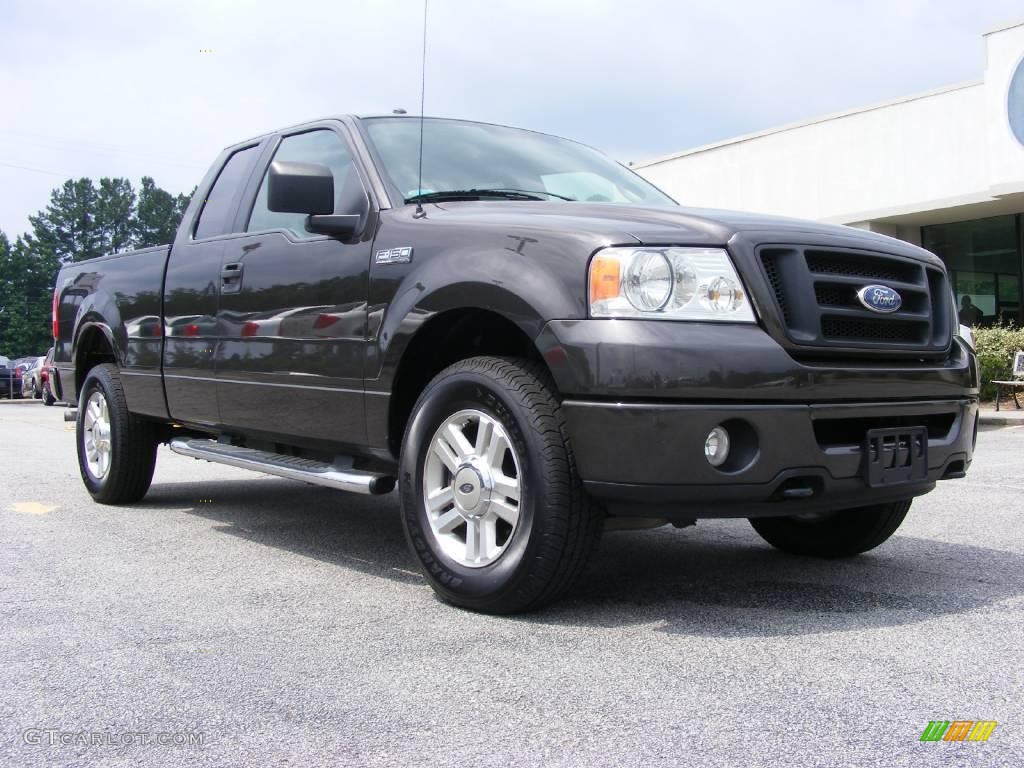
[309, 188]
[300, 188]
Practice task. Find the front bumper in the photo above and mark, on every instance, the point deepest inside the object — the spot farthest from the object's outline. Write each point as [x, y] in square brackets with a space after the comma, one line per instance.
[641, 397]
[793, 459]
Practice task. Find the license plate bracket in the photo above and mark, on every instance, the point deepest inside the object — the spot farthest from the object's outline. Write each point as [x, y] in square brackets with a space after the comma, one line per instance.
[894, 456]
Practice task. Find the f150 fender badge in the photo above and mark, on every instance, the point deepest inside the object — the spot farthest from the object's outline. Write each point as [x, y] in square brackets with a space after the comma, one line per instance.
[394, 256]
[880, 298]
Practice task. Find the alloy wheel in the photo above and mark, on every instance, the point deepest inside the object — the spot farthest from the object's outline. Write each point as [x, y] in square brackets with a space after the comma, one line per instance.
[472, 487]
[96, 435]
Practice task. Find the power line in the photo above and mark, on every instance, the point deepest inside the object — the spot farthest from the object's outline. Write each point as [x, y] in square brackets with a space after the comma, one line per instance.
[100, 149]
[36, 170]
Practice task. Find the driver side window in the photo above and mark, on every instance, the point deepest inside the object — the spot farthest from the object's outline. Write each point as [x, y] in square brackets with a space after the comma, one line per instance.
[323, 147]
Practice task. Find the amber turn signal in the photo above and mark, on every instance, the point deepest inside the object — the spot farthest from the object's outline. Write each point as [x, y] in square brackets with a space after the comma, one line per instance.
[605, 278]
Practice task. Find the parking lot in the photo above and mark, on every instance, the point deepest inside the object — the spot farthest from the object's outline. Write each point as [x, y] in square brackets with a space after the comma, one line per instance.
[287, 624]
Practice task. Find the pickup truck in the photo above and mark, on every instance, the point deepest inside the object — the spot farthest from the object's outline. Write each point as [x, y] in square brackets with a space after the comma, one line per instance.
[533, 342]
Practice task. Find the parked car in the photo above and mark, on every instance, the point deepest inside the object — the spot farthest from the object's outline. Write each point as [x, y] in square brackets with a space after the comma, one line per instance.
[45, 379]
[16, 374]
[532, 340]
[31, 379]
[6, 377]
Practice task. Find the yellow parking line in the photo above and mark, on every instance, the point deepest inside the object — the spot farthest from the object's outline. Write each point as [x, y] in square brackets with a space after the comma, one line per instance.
[31, 508]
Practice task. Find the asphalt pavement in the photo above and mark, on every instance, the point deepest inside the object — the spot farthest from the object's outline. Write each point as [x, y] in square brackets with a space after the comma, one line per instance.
[282, 624]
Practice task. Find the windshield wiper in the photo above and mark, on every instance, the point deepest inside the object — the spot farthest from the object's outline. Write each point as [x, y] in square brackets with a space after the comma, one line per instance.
[476, 194]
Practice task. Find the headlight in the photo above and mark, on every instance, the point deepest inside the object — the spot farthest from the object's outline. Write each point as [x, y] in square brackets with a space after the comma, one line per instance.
[668, 284]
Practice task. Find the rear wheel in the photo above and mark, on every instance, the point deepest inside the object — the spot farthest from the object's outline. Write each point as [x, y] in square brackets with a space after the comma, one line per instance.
[48, 398]
[491, 502]
[840, 534]
[116, 450]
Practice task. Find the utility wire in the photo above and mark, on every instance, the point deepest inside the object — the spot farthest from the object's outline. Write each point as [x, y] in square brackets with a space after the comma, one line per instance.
[36, 170]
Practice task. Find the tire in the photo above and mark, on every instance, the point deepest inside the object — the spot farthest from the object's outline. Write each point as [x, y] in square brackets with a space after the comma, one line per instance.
[531, 551]
[48, 398]
[128, 443]
[842, 534]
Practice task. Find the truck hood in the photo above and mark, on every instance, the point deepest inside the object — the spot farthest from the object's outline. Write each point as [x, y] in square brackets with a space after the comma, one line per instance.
[663, 225]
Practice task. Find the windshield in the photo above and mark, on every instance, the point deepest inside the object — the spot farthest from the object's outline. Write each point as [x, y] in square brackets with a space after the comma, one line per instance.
[478, 158]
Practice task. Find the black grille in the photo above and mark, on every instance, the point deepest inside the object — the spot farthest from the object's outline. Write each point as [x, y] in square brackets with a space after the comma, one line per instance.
[834, 295]
[775, 280]
[825, 263]
[870, 330]
[816, 291]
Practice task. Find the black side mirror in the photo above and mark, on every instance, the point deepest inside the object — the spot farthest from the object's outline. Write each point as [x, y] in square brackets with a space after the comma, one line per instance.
[309, 188]
[300, 188]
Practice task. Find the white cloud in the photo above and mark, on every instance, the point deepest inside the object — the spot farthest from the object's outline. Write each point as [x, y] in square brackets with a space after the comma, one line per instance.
[121, 88]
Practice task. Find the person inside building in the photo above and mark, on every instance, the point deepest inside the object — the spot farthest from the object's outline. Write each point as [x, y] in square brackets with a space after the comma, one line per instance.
[970, 315]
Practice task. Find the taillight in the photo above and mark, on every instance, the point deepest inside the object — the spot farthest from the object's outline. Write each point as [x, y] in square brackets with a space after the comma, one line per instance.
[250, 329]
[53, 313]
[192, 329]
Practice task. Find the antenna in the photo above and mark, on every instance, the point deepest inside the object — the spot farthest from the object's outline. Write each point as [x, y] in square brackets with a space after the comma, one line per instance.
[420, 213]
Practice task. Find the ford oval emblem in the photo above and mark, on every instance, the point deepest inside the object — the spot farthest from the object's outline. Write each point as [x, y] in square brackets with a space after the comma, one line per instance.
[466, 488]
[880, 298]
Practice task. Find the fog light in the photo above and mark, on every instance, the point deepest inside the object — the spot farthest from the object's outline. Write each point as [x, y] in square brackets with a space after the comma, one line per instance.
[716, 447]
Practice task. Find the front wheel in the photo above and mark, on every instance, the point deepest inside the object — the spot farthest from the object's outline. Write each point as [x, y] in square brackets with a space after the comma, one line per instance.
[842, 534]
[116, 449]
[492, 505]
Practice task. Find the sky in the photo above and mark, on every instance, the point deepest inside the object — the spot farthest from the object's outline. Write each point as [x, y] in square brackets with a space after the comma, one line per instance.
[141, 87]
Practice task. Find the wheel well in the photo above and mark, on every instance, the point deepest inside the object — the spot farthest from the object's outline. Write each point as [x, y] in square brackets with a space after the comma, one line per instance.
[445, 339]
[92, 349]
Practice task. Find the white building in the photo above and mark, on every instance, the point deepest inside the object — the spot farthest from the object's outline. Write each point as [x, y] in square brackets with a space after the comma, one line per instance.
[943, 169]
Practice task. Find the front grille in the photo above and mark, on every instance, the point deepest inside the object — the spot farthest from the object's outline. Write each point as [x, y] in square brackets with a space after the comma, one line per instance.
[815, 290]
[775, 281]
[869, 267]
[870, 330]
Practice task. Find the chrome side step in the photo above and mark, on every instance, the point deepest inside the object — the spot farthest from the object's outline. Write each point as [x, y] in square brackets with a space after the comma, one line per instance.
[335, 475]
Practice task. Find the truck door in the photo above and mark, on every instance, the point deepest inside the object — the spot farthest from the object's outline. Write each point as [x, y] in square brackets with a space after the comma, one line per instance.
[293, 308]
[191, 292]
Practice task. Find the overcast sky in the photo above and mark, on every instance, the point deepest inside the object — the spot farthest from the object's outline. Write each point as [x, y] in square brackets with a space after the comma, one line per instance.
[111, 88]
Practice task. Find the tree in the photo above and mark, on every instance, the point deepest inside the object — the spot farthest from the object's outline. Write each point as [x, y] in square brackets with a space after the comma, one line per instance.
[158, 214]
[26, 285]
[115, 205]
[67, 226]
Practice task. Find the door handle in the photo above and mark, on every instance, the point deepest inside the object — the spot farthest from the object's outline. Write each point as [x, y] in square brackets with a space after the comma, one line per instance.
[231, 278]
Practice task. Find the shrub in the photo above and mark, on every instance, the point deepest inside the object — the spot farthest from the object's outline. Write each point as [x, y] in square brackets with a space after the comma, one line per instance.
[996, 346]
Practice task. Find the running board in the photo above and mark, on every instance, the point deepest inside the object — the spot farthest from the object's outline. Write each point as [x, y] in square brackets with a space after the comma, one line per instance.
[336, 475]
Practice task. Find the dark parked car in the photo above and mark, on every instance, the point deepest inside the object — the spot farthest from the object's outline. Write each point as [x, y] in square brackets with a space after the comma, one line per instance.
[15, 373]
[530, 339]
[7, 384]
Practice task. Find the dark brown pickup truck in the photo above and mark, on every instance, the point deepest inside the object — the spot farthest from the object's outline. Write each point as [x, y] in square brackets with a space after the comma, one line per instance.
[530, 340]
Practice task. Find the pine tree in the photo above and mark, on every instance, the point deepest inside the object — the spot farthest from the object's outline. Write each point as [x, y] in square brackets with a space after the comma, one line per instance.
[115, 207]
[157, 215]
[67, 227]
[26, 284]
